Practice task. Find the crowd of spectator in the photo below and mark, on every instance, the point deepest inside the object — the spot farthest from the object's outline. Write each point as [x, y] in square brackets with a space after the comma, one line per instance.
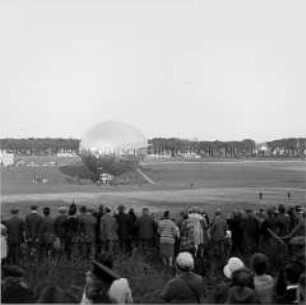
[260, 254]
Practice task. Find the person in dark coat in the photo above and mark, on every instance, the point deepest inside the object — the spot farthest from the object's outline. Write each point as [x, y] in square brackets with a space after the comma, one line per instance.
[234, 225]
[99, 242]
[32, 227]
[15, 236]
[71, 225]
[251, 232]
[109, 232]
[146, 228]
[282, 221]
[125, 228]
[242, 290]
[133, 219]
[59, 227]
[186, 287]
[46, 234]
[87, 230]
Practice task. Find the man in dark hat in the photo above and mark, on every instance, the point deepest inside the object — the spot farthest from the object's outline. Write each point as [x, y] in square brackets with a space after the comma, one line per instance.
[125, 230]
[32, 226]
[15, 227]
[88, 232]
[46, 234]
[109, 231]
[98, 281]
[59, 227]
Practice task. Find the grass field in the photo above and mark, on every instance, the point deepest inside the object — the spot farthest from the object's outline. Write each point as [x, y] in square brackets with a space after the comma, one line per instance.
[209, 185]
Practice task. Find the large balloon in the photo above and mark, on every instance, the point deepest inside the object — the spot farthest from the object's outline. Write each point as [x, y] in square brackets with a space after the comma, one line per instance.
[113, 147]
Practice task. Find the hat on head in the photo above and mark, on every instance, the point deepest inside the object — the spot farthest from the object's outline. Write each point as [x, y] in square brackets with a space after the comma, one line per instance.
[34, 207]
[104, 273]
[185, 261]
[233, 264]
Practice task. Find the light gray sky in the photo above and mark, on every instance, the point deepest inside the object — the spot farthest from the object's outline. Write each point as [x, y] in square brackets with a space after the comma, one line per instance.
[198, 69]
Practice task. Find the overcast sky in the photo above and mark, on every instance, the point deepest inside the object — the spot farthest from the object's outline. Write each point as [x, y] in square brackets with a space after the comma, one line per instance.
[194, 69]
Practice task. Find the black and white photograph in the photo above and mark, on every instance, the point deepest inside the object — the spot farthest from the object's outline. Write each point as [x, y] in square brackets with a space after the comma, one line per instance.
[153, 151]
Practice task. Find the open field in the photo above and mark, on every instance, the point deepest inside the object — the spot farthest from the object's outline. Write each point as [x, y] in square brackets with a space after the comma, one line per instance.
[209, 185]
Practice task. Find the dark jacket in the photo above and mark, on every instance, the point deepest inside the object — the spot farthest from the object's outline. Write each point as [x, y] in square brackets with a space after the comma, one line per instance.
[15, 227]
[59, 225]
[145, 227]
[87, 225]
[46, 230]
[187, 287]
[125, 226]
[32, 225]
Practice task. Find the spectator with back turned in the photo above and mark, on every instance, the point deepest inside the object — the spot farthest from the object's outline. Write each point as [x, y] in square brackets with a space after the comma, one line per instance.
[15, 236]
[146, 227]
[72, 232]
[87, 227]
[32, 227]
[263, 282]
[46, 234]
[109, 231]
[59, 227]
[218, 233]
[125, 230]
[186, 287]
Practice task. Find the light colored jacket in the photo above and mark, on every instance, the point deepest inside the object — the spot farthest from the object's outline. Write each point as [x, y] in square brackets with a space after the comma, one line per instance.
[168, 231]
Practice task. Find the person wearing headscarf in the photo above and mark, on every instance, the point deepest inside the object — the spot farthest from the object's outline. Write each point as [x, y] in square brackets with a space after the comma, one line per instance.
[168, 232]
[220, 293]
[186, 286]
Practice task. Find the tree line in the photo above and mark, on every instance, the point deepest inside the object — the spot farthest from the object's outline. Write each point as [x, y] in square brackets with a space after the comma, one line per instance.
[172, 147]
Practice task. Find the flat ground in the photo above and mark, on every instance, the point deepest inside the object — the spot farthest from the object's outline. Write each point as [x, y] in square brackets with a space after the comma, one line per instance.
[209, 185]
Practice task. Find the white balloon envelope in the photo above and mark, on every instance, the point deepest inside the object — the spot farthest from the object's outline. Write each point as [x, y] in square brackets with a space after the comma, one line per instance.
[113, 147]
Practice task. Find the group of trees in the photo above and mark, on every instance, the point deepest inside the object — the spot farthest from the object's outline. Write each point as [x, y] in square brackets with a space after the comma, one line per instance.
[178, 147]
[167, 146]
[34, 146]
